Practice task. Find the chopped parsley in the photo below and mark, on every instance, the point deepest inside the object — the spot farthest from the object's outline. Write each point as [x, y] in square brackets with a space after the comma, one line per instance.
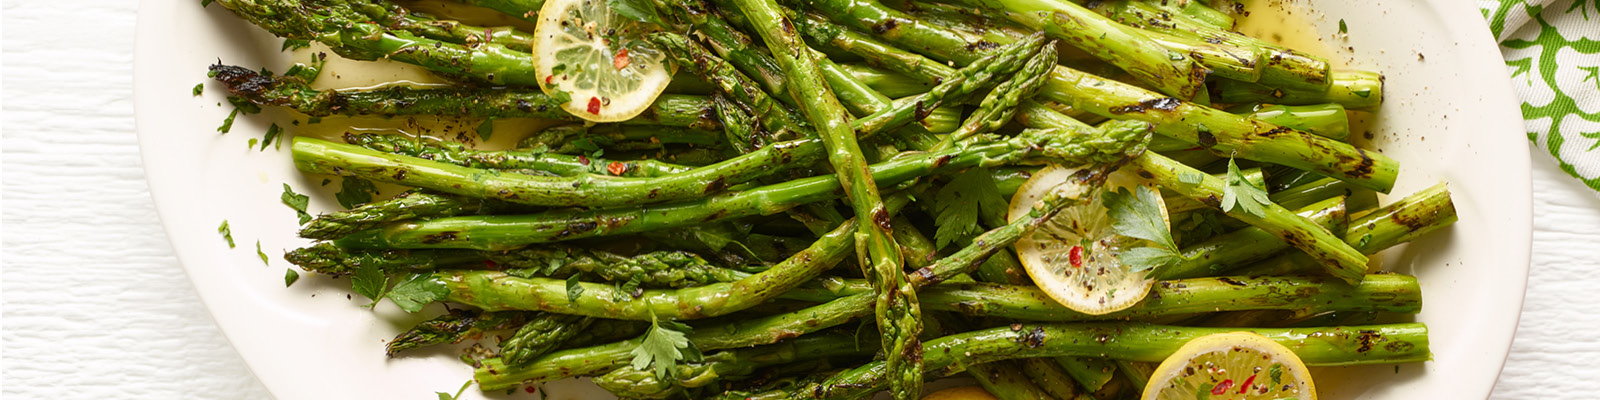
[227, 234]
[298, 202]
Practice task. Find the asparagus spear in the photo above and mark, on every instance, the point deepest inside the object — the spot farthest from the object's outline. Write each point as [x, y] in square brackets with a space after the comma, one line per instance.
[1356, 90]
[1171, 72]
[525, 10]
[498, 232]
[498, 291]
[591, 190]
[408, 205]
[1234, 249]
[1354, 345]
[659, 269]
[343, 31]
[1005, 381]
[395, 17]
[781, 123]
[494, 374]
[629, 382]
[1420, 213]
[296, 94]
[542, 333]
[1050, 377]
[1337, 257]
[546, 162]
[1000, 104]
[1213, 129]
[454, 327]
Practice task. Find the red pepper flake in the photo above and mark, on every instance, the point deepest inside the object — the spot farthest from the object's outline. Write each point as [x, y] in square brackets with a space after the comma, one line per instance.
[1222, 388]
[620, 60]
[616, 168]
[594, 105]
[1076, 256]
[547, 79]
[530, 389]
[491, 264]
[1247, 382]
[583, 160]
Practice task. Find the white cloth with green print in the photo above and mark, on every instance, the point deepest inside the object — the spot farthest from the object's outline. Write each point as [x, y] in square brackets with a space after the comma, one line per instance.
[1553, 51]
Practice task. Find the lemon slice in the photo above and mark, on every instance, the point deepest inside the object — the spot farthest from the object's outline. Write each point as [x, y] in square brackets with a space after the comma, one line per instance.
[961, 393]
[1073, 256]
[1235, 366]
[599, 59]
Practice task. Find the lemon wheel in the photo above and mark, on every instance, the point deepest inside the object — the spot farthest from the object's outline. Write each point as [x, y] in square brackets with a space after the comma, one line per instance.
[597, 61]
[1073, 256]
[1235, 366]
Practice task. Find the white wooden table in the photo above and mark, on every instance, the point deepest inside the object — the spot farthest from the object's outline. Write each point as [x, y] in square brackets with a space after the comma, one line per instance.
[95, 305]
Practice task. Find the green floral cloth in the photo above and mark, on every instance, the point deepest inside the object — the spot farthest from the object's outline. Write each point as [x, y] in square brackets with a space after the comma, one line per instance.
[1553, 51]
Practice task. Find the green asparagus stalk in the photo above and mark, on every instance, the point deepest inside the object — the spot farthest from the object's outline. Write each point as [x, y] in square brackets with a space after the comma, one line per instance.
[1326, 120]
[1238, 248]
[591, 190]
[296, 94]
[659, 269]
[1000, 104]
[1277, 66]
[547, 162]
[1213, 129]
[1355, 90]
[734, 364]
[409, 205]
[780, 122]
[395, 17]
[1420, 213]
[580, 139]
[346, 34]
[1171, 72]
[498, 291]
[1340, 260]
[526, 10]
[1091, 373]
[884, 82]
[494, 374]
[1354, 345]
[499, 232]
[1391, 293]
[454, 327]
[541, 334]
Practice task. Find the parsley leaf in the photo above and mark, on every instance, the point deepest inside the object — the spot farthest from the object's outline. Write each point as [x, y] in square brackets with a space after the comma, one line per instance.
[486, 129]
[417, 291]
[290, 44]
[661, 347]
[960, 202]
[1342, 27]
[573, 289]
[447, 396]
[1137, 214]
[272, 136]
[199, 88]
[354, 191]
[369, 280]
[298, 202]
[261, 253]
[1243, 195]
[227, 234]
[289, 276]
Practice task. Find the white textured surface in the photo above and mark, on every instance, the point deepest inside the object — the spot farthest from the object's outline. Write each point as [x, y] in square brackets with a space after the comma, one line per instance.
[95, 305]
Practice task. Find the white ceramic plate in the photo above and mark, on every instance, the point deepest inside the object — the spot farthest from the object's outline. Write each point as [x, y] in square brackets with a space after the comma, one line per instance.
[1448, 117]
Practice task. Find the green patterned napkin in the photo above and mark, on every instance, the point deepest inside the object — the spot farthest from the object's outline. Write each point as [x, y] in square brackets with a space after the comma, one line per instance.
[1553, 51]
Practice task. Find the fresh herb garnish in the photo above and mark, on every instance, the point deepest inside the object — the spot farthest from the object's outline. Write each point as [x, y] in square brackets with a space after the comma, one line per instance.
[370, 280]
[298, 202]
[289, 276]
[1137, 214]
[1241, 194]
[573, 289]
[486, 129]
[418, 290]
[272, 137]
[663, 347]
[354, 192]
[227, 234]
[262, 254]
[199, 88]
[447, 396]
[960, 202]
